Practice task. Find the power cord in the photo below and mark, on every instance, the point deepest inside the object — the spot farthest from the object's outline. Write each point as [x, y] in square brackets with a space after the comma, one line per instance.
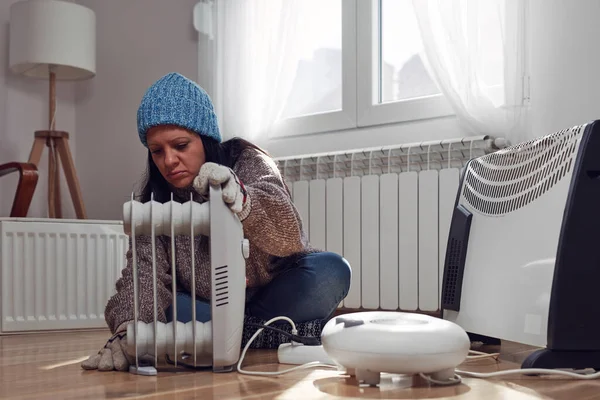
[479, 355]
[297, 338]
[456, 379]
[521, 371]
[452, 381]
[530, 371]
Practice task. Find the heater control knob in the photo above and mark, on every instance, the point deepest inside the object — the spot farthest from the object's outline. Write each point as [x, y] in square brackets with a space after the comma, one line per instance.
[245, 248]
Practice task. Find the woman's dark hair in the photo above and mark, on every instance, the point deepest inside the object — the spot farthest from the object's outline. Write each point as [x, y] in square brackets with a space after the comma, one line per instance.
[226, 153]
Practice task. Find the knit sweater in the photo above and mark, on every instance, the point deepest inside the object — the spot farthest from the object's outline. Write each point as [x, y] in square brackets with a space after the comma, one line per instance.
[270, 221]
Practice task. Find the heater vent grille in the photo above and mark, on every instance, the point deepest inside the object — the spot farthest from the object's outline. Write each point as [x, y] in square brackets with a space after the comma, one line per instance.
[222, 286]
[507, 180]
[453, 267]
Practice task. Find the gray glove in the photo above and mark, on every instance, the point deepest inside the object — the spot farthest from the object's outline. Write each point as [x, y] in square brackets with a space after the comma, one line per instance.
[113, 356]
[233, 191]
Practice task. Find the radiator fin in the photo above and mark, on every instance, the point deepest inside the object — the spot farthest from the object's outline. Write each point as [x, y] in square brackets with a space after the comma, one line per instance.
[334, 217]
[370, 241]
[408, 245]
[428, 241]
[388, 233]
[352, 236]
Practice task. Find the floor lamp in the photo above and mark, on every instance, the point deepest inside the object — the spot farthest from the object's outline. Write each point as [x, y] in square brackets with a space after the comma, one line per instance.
[54, 40]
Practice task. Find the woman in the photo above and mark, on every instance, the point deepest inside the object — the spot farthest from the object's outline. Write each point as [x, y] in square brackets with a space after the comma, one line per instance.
[285, 276]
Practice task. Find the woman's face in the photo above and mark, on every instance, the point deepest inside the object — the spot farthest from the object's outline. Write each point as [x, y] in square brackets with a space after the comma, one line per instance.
[177, 152]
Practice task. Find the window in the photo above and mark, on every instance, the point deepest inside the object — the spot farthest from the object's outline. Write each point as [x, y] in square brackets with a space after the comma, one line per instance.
[360, 65]
[293, 67]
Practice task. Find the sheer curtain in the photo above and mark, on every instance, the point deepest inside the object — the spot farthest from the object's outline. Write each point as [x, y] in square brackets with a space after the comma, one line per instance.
[475, 50]
[255, 63]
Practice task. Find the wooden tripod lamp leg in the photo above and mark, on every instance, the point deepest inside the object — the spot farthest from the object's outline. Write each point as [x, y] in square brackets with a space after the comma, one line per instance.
[56, 182]
[52, 171]
[36, 150]
[71, 176]
[41, 140]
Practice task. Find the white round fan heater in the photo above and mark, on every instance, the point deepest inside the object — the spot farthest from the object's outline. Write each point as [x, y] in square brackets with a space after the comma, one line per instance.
[369, 343]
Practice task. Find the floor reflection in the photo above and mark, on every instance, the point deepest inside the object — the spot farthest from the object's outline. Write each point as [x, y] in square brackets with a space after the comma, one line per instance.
[392, 386]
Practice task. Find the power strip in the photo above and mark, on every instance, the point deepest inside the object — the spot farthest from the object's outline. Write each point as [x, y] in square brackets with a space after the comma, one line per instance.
[299, 354]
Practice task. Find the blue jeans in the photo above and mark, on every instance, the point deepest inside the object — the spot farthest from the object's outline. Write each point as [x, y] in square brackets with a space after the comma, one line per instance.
[309, 291]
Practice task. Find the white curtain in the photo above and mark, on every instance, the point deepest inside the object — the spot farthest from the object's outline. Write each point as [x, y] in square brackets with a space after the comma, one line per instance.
[475, 50]
[256, 61]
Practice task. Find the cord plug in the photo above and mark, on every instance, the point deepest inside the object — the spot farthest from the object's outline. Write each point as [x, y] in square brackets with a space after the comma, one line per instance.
[306, 340]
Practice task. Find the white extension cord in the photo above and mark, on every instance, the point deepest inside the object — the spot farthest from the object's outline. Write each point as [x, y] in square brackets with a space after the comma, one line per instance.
[520, 371]
[457, 377]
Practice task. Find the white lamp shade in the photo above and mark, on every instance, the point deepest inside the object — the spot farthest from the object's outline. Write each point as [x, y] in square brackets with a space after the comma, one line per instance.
[54, 33]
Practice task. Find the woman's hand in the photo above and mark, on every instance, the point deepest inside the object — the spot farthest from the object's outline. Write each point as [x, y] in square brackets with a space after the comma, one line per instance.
[234, 193]
[113, 356]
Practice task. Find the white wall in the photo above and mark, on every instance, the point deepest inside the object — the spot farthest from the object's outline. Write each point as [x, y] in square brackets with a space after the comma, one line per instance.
[138, 42]
[23, 110]
[565, 79]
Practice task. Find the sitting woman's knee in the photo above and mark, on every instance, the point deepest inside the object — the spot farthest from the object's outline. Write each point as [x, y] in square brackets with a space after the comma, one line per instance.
[342, 267]
[345, 272]
[338, 269]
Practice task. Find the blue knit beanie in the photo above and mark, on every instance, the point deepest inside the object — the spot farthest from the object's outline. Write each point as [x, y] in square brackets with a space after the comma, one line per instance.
[176, 100]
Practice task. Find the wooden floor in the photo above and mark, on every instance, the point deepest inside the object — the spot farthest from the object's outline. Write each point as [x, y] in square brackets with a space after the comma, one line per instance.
[44, 366]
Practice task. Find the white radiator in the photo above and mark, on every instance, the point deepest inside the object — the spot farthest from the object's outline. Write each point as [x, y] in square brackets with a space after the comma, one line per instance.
[387, 211]
[58, 274]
